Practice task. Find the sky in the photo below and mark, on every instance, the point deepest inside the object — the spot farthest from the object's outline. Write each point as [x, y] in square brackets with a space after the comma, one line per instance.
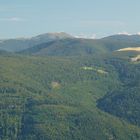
[86, 18]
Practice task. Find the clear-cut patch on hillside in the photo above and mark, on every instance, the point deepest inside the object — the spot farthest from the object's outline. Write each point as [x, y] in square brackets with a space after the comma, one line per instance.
[101, 71]
[55, 85]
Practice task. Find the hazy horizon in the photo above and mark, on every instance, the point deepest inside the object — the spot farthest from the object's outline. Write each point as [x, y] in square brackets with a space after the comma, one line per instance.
[86, 18]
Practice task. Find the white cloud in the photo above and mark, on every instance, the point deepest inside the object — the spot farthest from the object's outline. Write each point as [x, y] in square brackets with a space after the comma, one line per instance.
[12, 19]
[82, 35]
[138, 33]
[124, 33]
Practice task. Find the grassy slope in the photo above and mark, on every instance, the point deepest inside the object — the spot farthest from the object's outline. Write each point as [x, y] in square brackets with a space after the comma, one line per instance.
[31, 108]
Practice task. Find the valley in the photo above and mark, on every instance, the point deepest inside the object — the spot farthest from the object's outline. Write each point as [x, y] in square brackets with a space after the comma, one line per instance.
[70, 89]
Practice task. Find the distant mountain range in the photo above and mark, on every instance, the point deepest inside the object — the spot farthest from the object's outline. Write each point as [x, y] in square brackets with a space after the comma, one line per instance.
[18, 44]
[58, 43]
[125, 38]
[80, 47]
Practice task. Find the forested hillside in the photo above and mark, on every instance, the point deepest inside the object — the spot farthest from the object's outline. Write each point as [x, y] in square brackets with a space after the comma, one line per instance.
[81, 47]
[55, 98]
[124, 102]
[71, 89]
[19, 44]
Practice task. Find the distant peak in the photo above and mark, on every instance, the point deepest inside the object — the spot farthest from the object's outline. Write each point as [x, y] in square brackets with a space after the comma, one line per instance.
[58, 35]
[63, 34]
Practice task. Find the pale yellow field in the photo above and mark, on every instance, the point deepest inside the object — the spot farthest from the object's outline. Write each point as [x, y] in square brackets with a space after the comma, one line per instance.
[130, 49]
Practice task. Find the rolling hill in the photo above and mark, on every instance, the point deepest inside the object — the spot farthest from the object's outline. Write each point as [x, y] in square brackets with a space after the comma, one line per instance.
[71, 89]
[62, 43]
[18, 44]
[80, 47]
[124, 38]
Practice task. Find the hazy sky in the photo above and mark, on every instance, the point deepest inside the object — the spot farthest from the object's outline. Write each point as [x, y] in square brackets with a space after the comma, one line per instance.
[19, 18]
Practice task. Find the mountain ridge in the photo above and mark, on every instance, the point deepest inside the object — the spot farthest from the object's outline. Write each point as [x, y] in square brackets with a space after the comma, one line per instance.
[18, 44]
